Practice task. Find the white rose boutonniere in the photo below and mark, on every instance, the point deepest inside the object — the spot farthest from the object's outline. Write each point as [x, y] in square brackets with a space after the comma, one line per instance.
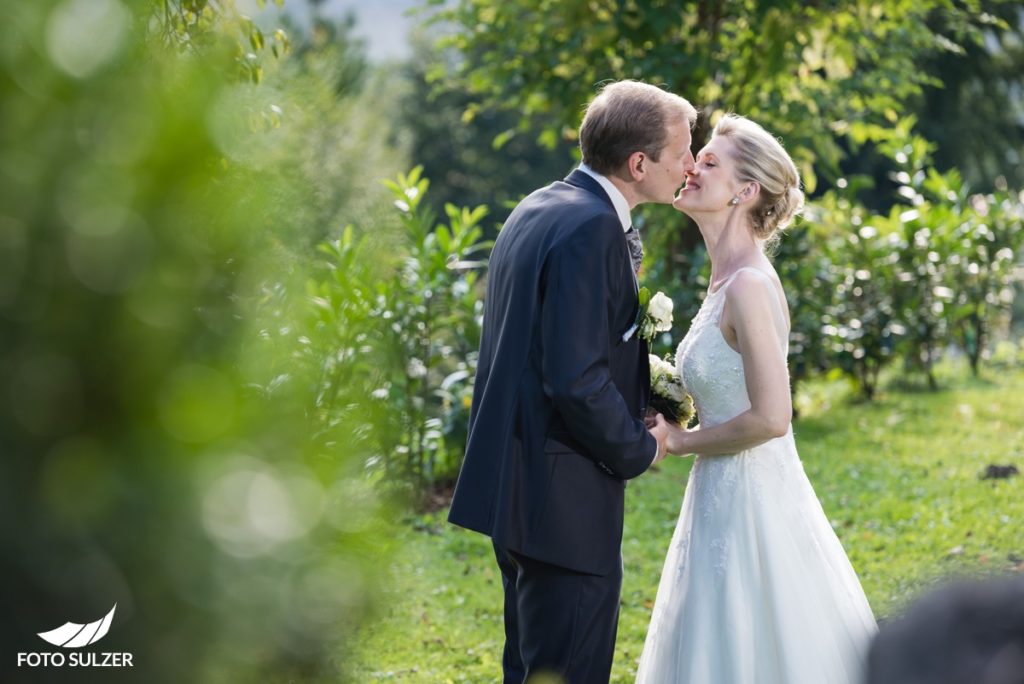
[654, 315]
[660, 310]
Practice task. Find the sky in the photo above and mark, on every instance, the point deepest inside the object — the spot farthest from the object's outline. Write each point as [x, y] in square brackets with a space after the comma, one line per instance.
[383, 24]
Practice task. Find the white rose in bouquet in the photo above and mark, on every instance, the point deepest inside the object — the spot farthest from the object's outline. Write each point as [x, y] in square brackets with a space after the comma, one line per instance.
[668, 396]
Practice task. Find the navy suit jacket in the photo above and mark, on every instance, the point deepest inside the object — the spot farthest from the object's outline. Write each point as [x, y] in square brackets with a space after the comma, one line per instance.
[556, 425]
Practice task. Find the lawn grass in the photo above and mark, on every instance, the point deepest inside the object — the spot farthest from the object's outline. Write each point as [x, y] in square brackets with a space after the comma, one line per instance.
[899, 478]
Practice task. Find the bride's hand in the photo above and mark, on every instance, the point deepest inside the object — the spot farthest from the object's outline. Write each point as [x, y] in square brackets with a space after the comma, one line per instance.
[677, 442]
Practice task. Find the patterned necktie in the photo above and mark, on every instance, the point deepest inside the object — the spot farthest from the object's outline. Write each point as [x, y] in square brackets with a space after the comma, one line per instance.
[636, 248]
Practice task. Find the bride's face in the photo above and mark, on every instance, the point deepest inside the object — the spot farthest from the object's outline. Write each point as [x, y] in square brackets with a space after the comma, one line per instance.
[711, 184]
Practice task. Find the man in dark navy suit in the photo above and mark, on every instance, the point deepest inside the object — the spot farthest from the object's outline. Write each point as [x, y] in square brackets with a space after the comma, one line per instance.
[557, 422]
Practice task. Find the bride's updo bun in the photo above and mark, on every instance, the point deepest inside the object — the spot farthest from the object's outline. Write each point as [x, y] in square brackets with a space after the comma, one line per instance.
[761, 159]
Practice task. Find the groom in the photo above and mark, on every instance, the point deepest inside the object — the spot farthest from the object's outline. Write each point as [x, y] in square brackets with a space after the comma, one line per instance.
[557, 422]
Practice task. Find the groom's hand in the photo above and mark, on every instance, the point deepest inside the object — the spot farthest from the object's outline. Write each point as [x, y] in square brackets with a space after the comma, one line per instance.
[659, 428]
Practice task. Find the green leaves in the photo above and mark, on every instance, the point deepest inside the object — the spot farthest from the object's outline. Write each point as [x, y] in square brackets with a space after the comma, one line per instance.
[806, 73]
[199, 25]
[422, 332]
[929, 274]
[256, 38]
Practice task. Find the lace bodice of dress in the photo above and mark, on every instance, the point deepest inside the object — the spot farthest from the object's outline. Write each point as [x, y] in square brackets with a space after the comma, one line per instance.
[711, 370]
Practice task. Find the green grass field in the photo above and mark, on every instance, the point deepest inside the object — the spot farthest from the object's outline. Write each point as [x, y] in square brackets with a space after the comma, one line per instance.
[899, 479]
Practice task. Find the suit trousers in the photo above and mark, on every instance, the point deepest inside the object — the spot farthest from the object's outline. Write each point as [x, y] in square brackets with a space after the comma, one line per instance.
[557, 621]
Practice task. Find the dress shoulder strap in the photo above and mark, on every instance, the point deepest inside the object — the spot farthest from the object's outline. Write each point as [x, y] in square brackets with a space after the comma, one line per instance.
[728, 281]
[781, 326]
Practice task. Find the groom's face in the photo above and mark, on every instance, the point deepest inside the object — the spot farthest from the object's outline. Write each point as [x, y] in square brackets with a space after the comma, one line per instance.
[664, 177]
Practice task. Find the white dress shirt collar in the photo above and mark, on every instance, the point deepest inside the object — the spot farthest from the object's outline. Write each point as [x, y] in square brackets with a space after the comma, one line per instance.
[618, 199]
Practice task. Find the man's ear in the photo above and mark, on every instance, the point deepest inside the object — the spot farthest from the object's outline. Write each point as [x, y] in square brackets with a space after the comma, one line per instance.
[636, 166]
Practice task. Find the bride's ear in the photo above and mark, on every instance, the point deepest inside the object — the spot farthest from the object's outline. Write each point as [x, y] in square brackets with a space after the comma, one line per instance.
[750, 192]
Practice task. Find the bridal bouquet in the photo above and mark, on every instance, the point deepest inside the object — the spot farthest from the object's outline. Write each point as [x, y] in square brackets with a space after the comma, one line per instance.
[667, 394]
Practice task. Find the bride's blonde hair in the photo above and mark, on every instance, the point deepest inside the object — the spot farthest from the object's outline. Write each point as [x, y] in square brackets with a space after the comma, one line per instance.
[761, 159]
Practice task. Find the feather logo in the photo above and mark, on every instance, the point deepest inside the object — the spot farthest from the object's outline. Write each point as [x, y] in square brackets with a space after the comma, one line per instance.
[74, 635]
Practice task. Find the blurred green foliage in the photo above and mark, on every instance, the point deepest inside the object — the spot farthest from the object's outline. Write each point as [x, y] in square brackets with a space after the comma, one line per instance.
[977, 112]
[936, 273]
[162, 448]
[194, 26]
[821, 75]
[473, 155]
[858, 321]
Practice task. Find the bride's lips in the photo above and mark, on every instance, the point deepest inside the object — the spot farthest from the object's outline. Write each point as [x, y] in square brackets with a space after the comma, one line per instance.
[691, 186]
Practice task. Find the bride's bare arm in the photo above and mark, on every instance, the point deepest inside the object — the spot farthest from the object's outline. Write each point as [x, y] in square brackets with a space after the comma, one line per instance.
[753, 309]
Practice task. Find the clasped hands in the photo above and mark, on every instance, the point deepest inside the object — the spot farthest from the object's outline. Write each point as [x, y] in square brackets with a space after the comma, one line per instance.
[672, 439]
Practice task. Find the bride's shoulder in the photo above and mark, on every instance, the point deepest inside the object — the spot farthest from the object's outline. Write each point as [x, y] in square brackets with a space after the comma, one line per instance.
[749, 283]
[752, 279]
[756, 290]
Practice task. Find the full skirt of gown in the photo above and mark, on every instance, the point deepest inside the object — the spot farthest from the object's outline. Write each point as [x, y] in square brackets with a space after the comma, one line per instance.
[756, 588]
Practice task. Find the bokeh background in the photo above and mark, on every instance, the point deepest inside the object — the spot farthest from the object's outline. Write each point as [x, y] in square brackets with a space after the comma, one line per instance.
[243, 252]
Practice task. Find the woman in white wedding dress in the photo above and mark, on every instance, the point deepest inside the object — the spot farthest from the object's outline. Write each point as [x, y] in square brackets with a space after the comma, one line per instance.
[756, 588]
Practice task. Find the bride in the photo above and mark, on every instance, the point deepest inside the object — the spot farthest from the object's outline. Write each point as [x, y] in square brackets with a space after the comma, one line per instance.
[756, 587]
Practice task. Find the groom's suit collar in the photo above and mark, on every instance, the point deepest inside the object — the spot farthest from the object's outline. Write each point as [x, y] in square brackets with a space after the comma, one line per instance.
[588, 179]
